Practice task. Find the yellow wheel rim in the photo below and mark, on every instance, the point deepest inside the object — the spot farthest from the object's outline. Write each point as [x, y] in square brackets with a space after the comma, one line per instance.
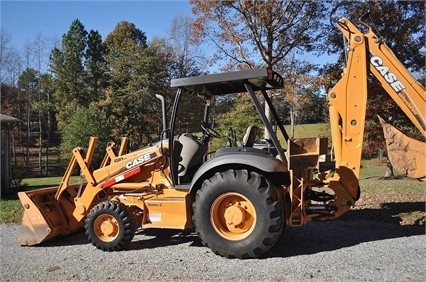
[106, 227]
[233, 216]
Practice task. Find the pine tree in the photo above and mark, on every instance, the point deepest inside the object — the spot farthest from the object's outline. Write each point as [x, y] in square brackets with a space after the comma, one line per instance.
[69, 73]
[96, 66]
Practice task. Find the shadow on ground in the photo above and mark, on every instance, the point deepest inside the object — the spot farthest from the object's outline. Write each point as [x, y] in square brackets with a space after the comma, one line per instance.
[355, 227]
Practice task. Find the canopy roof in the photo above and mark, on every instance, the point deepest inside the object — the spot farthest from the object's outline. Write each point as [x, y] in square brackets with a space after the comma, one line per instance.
[7, 119]
[230, 82]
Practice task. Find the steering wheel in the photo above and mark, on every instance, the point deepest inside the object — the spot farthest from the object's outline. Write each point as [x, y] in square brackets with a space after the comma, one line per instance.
[208, 131]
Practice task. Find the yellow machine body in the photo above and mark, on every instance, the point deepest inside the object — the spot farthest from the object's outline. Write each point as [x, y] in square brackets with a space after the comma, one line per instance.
[234, 194]
[140, 175]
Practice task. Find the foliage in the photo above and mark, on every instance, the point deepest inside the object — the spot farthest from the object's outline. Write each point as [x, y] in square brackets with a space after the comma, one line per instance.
[238, 119]
[119, 76]
[183, 59]
[67, 67]
[31, 102]
[83, 124]
[307, 105]
[10, 59]
[246, 31]
[18, 174]
[272, 34]
[96, 66]
[10, 100]
[136, 73]
[187, 59]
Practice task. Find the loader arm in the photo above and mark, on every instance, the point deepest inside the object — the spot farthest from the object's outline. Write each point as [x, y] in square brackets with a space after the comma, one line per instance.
[58, 211]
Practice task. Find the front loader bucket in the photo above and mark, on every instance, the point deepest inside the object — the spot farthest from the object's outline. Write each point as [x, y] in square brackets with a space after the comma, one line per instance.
[406, 155]
[53, 212]
[45, 217]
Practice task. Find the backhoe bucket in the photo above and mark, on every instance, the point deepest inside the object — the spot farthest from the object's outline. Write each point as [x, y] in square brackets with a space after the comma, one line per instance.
[45, 217]
[406, 155]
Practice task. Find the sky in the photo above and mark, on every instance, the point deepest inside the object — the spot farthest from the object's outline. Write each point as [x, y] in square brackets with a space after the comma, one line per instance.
[23, 20]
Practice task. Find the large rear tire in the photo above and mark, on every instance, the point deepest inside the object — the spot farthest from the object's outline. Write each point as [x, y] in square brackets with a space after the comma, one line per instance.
[109, 227]
[237, 214]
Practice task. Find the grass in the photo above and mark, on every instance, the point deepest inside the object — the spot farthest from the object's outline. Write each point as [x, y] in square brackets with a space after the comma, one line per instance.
[47, 181]
[309, 130]
[11, 210]
[371, 170]
[306, 131]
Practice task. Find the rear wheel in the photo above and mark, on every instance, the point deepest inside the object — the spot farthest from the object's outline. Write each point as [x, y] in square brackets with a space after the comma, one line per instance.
[109, 227]
[237, 214]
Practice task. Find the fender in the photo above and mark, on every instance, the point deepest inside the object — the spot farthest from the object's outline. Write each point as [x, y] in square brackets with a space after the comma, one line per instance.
[241, 157]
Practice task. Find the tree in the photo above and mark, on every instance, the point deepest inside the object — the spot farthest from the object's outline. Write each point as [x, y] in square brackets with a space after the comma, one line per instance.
[262, 33]
[35, 54]
[84, 123]
[39, 52]
[96, 66]
[11, 105]
[255, 33]
[239, 118]
[68, 70]
[401, 25]
[183, 59]
[187, 58]
[10, 60]
[137, 72]
[28, 84]
[46, 107]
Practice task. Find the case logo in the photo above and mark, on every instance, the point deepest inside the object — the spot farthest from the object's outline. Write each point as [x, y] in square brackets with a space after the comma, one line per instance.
[390, 77]
[139, 160]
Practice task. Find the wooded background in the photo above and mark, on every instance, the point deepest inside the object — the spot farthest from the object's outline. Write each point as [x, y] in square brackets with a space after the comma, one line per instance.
[85, 85]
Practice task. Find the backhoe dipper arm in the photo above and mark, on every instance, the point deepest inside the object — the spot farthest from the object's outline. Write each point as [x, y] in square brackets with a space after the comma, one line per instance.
[348, 100]
[368, 53]
[398, 82]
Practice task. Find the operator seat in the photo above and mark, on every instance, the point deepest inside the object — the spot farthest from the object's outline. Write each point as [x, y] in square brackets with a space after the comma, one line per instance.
[250, 136]
[192, 153]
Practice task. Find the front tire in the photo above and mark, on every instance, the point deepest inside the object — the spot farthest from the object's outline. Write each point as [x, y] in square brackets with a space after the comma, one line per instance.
[237, 214]
[109, 227]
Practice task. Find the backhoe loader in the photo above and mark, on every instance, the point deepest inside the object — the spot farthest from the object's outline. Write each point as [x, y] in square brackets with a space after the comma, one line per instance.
[238, 198]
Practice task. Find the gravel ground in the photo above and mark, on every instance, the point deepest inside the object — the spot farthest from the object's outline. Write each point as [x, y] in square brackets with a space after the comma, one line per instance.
[351, 249]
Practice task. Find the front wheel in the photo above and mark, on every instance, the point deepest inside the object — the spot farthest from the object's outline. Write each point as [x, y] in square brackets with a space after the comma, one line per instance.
[237, 214]
[109, 227]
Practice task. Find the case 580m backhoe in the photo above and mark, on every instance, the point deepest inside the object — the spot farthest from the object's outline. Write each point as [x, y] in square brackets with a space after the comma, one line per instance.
[238, 198]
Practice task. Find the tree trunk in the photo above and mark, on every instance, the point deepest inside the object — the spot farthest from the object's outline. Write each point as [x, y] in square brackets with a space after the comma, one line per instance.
[27, 146]
[292, 122]
[389, 169]
[40, 143]
[48, 129]
[266, 134]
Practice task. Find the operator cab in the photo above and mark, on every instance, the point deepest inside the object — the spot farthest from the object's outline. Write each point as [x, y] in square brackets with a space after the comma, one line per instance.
[193, 134]
[190, 152]
[190, 149]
